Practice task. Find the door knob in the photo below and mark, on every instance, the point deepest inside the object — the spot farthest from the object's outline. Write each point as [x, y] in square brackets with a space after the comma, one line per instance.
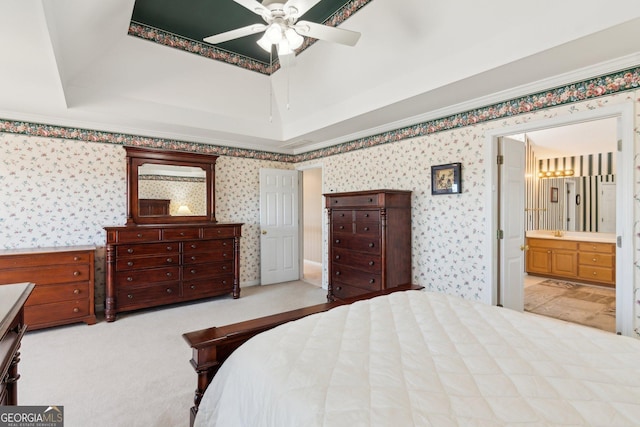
[524, 247]
[264, 231]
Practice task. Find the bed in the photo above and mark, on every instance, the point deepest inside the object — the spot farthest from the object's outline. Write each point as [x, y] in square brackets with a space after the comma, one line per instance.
[417, 358]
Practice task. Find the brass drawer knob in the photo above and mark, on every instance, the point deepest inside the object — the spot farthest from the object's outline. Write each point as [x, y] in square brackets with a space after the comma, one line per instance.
[169, 248]
[366, 215]
[371, 263]
[595, 273]
[129, 251]
[130, 264]
[342, 227]
[338, 288]
[129, 279]
[366, 229]
[224, 267]
[130, 296]
[193, 286]
[337, 256]
[337, 240]
[182, 233]
[76, 273]
[139, 235]
[76, 258]
[193, 258]
[337, 273]
[169, 260]
[192, 271]
[76, 291]
[193, 246]
[595, 259]
[224, 282]
[169, 274]
[371, 245]
[372, 281]
[169, 290]
[76, 309]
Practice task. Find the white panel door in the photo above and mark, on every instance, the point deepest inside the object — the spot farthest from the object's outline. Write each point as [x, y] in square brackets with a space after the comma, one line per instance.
[512, 198]
[607, 207]
[279, 228]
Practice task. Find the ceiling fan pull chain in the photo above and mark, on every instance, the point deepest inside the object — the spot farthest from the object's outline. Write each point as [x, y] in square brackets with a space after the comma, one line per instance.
[270, 86]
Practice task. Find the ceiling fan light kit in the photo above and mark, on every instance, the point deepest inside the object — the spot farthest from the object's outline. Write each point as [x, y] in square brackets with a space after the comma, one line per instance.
[282, 28]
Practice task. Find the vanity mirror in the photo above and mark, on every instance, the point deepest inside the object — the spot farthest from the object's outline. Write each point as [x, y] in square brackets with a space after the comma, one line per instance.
[170, 187]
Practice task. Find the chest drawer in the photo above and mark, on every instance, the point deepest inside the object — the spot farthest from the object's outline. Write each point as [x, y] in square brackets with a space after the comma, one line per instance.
[148, 249]
[56, 293]
[368, 216]
[357, 243]
[358, 278]
[139, 235]
[180, 233]
[220, 232]
[200, 271]
[597, 274]
[137, 277]
[40, 260]
[356, 200]
[207, 257]
[129, 263]
[141, 295]
[35, 315]
[342, 216]
[358, 260]
[47, 275]
[216, 245]
[341, 291]
[197, 288]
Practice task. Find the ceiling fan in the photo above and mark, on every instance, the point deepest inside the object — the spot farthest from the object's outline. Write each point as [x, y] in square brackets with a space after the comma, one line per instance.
[282, 27]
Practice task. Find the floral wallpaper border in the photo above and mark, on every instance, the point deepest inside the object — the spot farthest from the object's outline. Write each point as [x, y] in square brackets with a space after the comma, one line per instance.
[165, 38]
[621, 81]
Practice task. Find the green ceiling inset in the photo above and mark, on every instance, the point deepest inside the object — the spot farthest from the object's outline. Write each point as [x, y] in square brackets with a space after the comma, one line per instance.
[183, 24]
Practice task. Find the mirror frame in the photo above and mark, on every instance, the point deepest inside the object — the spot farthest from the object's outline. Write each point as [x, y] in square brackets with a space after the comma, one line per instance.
[138, 156]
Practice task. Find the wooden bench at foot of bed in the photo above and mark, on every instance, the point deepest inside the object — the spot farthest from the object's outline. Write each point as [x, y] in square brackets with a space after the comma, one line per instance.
[212, 346]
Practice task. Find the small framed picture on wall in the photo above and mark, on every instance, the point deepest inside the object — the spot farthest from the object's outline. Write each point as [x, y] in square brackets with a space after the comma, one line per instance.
[445, 179]
[554, 194]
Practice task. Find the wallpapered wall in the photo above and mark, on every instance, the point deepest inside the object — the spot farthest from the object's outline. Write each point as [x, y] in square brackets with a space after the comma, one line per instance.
[190, 193]
[61, 192]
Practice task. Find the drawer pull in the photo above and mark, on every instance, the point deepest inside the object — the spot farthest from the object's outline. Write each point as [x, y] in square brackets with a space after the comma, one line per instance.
[169, 260]
[224, 255]
[595, 273]
[342, 227]
[219, 231]
[224, 267]
[595, 259]
[139, 235]
[130, 296]
[337, 240]
[76, 291]
[224, 243]
[169, 274]
[366, 229]
[193, 246]
[130, 264]
[548, 252]
[337, 273]
[337, 256]
[341, 213]
[76, 309]
[76, 273]
[129, 279]
[182, 233]
[370, 201]
[192, 271]
[335, 201]
[371, 262]
[129, 251]
[338, 288]
[193, 286]
[193, 258]
[371, 245]
[366, 215]
[169, 290]
[224, 282]
[76, 258]
[372, 281]
[169, 248]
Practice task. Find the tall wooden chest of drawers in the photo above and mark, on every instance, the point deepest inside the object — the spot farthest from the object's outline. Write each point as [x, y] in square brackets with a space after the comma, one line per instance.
[64, 279]
[369, 241]
[148, 266]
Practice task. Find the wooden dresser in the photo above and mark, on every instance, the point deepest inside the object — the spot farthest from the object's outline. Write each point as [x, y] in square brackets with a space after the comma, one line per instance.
[64, 279]
[369, 241]
[12, 328]
[148, 266]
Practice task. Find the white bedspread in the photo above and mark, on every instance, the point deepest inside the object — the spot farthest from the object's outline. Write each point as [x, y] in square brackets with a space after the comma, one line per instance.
[423, 359]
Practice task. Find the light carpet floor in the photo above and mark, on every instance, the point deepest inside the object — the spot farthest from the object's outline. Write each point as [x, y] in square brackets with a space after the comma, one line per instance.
[587, 305]
[135, 371]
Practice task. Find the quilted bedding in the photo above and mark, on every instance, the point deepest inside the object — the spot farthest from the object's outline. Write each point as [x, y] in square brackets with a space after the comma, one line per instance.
[425, 359]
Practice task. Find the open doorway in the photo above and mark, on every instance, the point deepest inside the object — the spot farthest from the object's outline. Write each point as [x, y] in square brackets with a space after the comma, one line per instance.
[312, 220]
[502, 289]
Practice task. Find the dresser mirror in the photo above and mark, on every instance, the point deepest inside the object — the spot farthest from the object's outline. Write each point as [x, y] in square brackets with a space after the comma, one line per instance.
[170, 187]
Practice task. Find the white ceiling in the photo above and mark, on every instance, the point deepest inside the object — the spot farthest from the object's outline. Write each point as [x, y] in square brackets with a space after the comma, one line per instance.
[71, 63]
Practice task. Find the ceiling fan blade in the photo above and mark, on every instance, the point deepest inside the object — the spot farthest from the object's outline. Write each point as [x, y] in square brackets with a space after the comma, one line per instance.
[327, 33]
[301, 5]
[236, 34]
[254, 6]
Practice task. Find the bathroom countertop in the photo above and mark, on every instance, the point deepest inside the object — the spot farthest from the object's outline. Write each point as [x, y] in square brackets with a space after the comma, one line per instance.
[579, 236]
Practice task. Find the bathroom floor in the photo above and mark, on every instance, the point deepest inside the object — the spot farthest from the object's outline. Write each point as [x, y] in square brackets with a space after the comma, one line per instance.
[588, 305]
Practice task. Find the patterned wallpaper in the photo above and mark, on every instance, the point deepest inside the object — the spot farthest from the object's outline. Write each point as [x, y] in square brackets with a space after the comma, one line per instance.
[63, 192]
[187, 192]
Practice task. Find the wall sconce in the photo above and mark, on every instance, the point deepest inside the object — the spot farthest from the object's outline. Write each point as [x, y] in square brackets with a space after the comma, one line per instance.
[184, 210]
[555, 174]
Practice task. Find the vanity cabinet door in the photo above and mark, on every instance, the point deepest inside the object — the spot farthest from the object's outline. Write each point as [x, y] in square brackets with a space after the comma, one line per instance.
[564, 263]
[539, 260]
